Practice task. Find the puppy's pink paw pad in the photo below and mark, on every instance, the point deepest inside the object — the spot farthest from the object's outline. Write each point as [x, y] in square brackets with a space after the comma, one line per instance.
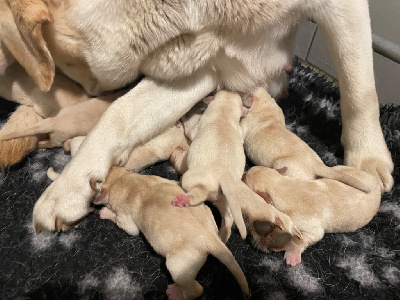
[105, 213]
[181, 200]
[174, 292]
[293, 257]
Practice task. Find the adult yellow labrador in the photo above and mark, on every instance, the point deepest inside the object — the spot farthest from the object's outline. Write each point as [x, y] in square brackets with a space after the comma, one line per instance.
[186, 49]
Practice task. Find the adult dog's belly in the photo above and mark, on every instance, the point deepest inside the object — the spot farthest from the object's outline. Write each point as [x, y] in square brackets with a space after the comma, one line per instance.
[115, 55]
[241, 62]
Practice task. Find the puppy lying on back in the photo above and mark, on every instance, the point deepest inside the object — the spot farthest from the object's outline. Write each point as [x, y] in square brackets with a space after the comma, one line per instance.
[184, 236]
[216, 162]
[315, 206]
[268, 143]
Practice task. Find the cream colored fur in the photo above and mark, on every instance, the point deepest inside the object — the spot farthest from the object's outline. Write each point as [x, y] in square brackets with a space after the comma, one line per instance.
[158, 149]
[187, 49]
[315, 206]
[216, 158]
[185, 236]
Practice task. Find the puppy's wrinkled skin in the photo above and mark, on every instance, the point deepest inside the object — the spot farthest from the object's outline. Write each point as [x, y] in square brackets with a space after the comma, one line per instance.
[187, 49]
[184, 236]
[315, 206]
[268, 143]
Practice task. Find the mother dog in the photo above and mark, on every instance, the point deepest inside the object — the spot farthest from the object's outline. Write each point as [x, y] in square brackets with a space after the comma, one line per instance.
[186, 49]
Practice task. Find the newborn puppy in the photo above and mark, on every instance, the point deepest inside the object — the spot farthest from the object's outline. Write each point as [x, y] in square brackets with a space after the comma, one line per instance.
[184, 236]
[191, 123]
[157, 149]
[216, 162]
[268, 143]
[216, 158]
[315, 206]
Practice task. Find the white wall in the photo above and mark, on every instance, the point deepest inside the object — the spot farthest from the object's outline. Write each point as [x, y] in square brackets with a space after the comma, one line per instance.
[385, 23]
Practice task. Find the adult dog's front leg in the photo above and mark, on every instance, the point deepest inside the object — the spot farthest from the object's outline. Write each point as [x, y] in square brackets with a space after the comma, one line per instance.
[139, 115]
[346, 25]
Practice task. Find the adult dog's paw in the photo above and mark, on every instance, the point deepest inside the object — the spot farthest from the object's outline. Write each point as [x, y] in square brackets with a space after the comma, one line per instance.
[62, 204]
[381, 170]
[380, 167]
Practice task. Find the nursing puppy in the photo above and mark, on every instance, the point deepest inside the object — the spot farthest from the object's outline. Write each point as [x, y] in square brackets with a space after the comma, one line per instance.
[186, 49]
[269, 143]
[216, 162]
[315, 206]
[216, 158]
[184, 236]
[190, 122]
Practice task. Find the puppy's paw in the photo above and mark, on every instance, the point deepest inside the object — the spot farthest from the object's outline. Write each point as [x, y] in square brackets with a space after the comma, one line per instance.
[62, 204]
[181, 200]
[293, 257]
[174, 292]
[106, 214]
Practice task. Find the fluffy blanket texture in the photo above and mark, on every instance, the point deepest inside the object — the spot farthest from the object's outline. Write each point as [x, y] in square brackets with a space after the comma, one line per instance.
[98, 260]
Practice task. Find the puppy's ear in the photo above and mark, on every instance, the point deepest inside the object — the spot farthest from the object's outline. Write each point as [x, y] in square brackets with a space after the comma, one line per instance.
[207, 100]
[265, 196]
[102, 198]
[282, 171]
[21, 31]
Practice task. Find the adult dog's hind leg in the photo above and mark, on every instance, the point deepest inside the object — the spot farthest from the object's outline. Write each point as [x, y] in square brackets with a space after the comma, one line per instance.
[346, 26]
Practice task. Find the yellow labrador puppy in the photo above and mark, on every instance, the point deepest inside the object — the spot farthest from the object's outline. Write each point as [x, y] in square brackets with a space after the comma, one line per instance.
[315, 206]
[186, 49]
[216, 161]
[184, 236]
[268, 143]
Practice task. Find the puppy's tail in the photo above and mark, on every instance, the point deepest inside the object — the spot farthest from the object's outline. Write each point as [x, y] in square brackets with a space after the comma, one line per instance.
[14, 149]
[329, 173]
[229, 189]
[222, 253]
